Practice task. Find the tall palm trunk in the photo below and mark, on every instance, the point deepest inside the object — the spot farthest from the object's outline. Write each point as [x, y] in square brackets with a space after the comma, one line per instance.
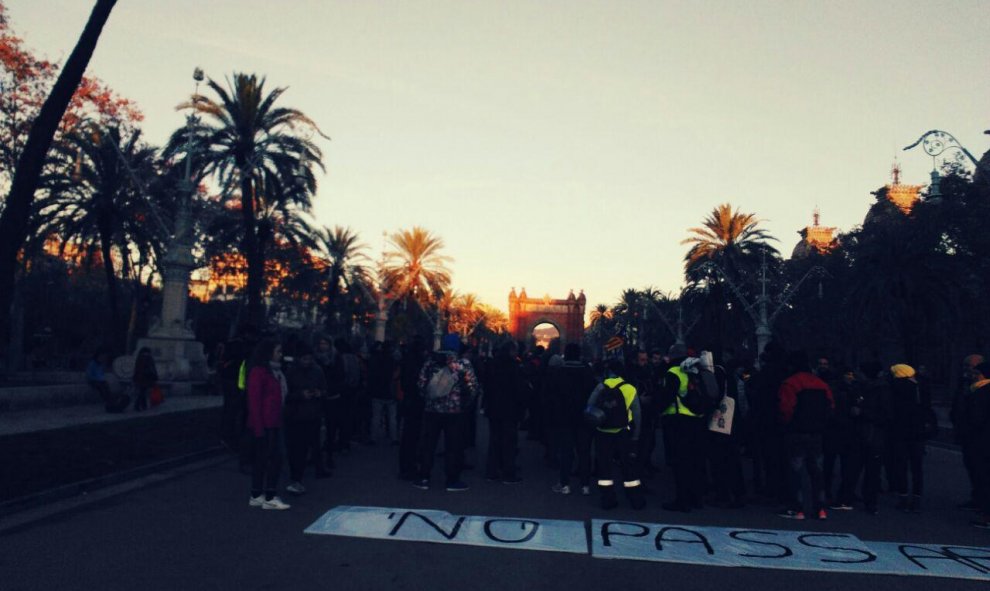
[255, 265]
[14, 219]
[106, 251]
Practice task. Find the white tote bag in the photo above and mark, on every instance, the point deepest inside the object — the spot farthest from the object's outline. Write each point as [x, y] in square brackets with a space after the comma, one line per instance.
[721, 421]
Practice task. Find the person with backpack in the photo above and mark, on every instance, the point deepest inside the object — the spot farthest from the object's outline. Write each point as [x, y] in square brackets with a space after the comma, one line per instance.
[912, 420]
[806, 403]
[449, 386]
[686, 402]
[616, 405]
[506, 394]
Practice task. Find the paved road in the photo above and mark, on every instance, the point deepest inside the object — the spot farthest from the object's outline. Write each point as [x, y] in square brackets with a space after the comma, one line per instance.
[197, 532]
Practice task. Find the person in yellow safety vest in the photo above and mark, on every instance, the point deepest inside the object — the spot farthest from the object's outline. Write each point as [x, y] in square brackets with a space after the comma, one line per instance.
[683, 436]
[618, 445]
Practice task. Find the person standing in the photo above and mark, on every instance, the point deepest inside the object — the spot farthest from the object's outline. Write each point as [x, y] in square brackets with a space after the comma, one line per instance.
[805, 405]
[864, 405]
[685, 434]
[266, 392]
[568, 388]
[331, 407]
[910, 410]
[449, 386]
[643, 378]
[411, 408]
[504, 404]
[616, 441]
[960, 424]
[383, 369]
[302, 413]
[145, 378]
[977, 415]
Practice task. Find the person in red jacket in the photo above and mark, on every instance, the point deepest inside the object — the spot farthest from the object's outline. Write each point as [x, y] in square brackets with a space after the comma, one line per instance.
[805, 405]
[266, 392]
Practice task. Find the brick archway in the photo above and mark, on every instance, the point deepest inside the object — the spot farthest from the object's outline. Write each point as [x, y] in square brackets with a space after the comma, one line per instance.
[567, 315]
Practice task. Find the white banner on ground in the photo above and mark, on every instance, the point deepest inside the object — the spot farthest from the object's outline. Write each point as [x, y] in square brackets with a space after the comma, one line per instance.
[422, 525]
[809, 551]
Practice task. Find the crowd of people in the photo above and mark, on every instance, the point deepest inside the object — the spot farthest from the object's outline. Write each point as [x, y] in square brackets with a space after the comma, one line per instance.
[812, 438]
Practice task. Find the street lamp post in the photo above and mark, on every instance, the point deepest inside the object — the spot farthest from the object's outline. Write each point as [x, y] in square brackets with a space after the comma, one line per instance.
[935, 143]
[759, 310]
[179, 357]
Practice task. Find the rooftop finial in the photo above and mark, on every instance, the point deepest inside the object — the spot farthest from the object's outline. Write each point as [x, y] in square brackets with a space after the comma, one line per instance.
[817, 216]
[895, 172]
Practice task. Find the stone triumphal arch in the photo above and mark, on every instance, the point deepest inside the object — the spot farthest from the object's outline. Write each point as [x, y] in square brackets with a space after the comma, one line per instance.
[525, 313]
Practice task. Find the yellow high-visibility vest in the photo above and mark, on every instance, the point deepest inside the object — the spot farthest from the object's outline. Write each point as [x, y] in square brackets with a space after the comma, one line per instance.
[678, 408]
[242, 377]
[628, 394]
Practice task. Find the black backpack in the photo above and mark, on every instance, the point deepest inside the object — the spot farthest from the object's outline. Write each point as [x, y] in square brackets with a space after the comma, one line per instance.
[703, 394]
[613, 403]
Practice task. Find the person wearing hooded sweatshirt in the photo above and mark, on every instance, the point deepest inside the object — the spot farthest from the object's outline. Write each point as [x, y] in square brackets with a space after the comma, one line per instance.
[806, 403]
[445, 412]
[910, 407]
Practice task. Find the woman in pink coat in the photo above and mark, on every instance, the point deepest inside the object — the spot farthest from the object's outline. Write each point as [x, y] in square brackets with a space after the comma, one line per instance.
[266, 390]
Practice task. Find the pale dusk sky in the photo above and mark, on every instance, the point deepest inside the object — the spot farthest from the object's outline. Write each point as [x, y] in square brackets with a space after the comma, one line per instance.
[558, 145]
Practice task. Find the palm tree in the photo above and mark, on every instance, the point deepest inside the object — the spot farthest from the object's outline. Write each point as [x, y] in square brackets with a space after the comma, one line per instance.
[730, 239]
[262, 153]
[97, 203]
[415, 269]
[14, 219]
[347, 263]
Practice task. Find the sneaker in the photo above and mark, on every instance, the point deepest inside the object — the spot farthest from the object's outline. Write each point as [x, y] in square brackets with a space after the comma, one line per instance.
[798, 515]
[296, 488]
[563, 489]
[256, 501]
[513, 480]
[981, 523]
[586, 490]
[422, 484]
[275, 504]
[822, 515]
[841, 507]
[457, 487]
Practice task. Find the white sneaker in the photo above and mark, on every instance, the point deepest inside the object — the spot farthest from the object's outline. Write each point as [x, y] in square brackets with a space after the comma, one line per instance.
[296, 488]
[561, 489]
[256, 501]
[586, 490]
[275, 504]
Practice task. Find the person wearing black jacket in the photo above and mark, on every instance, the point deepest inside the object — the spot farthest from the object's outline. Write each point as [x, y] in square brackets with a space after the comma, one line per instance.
[977, 417]
[504, 404]
[863, 403]
[568, 387]
[410, 407]
[302, 414]
[910, 409]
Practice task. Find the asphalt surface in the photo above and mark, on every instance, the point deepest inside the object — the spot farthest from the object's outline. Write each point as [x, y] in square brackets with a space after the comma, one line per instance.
[196, 531]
